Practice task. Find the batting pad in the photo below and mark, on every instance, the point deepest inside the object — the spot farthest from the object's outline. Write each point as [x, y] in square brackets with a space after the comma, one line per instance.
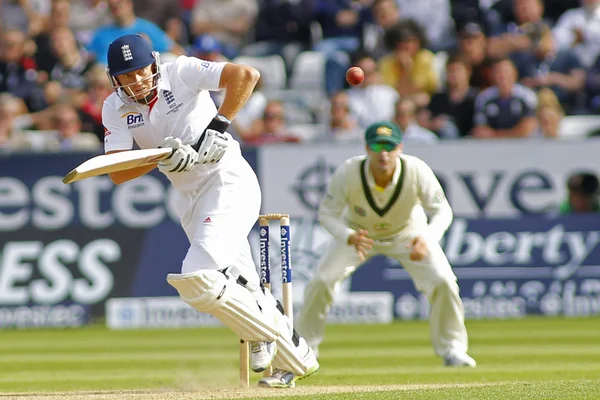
[297, 359]
[216, 293]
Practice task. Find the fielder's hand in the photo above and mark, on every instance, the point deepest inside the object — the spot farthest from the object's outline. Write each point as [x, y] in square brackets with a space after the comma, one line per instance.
[362, 242]
[212, 147]
[183, 158]
[419, 249]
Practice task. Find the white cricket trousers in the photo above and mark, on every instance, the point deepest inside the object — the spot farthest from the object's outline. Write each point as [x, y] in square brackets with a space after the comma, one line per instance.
[432, 276]
[219, 219]
[217, 223]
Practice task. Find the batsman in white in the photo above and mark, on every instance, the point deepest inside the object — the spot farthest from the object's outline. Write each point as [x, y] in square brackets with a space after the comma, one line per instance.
[169, 105]
[375, 204]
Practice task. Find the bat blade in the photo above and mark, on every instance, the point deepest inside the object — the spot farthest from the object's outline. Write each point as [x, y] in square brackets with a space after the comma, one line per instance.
[107, 163]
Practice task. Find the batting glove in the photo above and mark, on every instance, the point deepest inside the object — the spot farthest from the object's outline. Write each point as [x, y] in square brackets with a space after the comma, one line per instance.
[183, 158]
[213, 142]
[213, 147]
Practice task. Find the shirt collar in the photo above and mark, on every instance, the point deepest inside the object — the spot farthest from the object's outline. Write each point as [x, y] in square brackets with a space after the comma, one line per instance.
[163, 84]
[395, 177]
[117, 101]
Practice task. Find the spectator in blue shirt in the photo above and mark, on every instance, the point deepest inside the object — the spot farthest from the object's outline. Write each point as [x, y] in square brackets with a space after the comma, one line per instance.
[506, 109]
[342, 23]
[547, 66]
[127, 23]
[521, 35]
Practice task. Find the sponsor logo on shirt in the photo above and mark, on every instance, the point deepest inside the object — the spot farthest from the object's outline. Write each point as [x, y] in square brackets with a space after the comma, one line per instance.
[133, 119]
[204, 64]
[382, 226]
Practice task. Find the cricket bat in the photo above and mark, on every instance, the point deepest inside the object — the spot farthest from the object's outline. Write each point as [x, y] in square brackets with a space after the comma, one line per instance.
[107, 163]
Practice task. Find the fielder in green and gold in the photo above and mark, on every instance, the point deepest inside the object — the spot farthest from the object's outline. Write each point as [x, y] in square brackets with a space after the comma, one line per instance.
[390, 203]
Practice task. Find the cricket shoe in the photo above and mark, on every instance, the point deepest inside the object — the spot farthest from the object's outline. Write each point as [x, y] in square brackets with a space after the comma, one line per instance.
[459, 359]
[279, 379]
[286, 379]
[261, 355]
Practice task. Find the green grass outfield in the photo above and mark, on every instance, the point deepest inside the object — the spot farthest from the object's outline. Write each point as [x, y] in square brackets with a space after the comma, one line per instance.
[532, 358]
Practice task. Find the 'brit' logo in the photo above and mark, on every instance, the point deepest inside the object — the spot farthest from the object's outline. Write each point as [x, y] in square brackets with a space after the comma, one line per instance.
[133, 119]
[127, 56]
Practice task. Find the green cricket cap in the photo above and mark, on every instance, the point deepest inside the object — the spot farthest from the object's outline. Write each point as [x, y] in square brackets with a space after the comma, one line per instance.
[383, 132]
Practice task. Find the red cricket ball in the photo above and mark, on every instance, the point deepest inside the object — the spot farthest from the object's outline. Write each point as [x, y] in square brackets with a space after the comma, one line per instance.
[355, 76]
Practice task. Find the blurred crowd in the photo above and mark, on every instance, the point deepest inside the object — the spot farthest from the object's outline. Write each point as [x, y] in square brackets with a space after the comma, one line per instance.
[440, 69]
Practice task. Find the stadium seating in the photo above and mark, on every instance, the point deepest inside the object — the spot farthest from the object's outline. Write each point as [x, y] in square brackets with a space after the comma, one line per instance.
[308, 131]
[308, 72]
[578, 126]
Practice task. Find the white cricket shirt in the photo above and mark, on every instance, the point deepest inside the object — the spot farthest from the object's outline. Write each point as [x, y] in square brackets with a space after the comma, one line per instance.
[354, 202]
[183, 109]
